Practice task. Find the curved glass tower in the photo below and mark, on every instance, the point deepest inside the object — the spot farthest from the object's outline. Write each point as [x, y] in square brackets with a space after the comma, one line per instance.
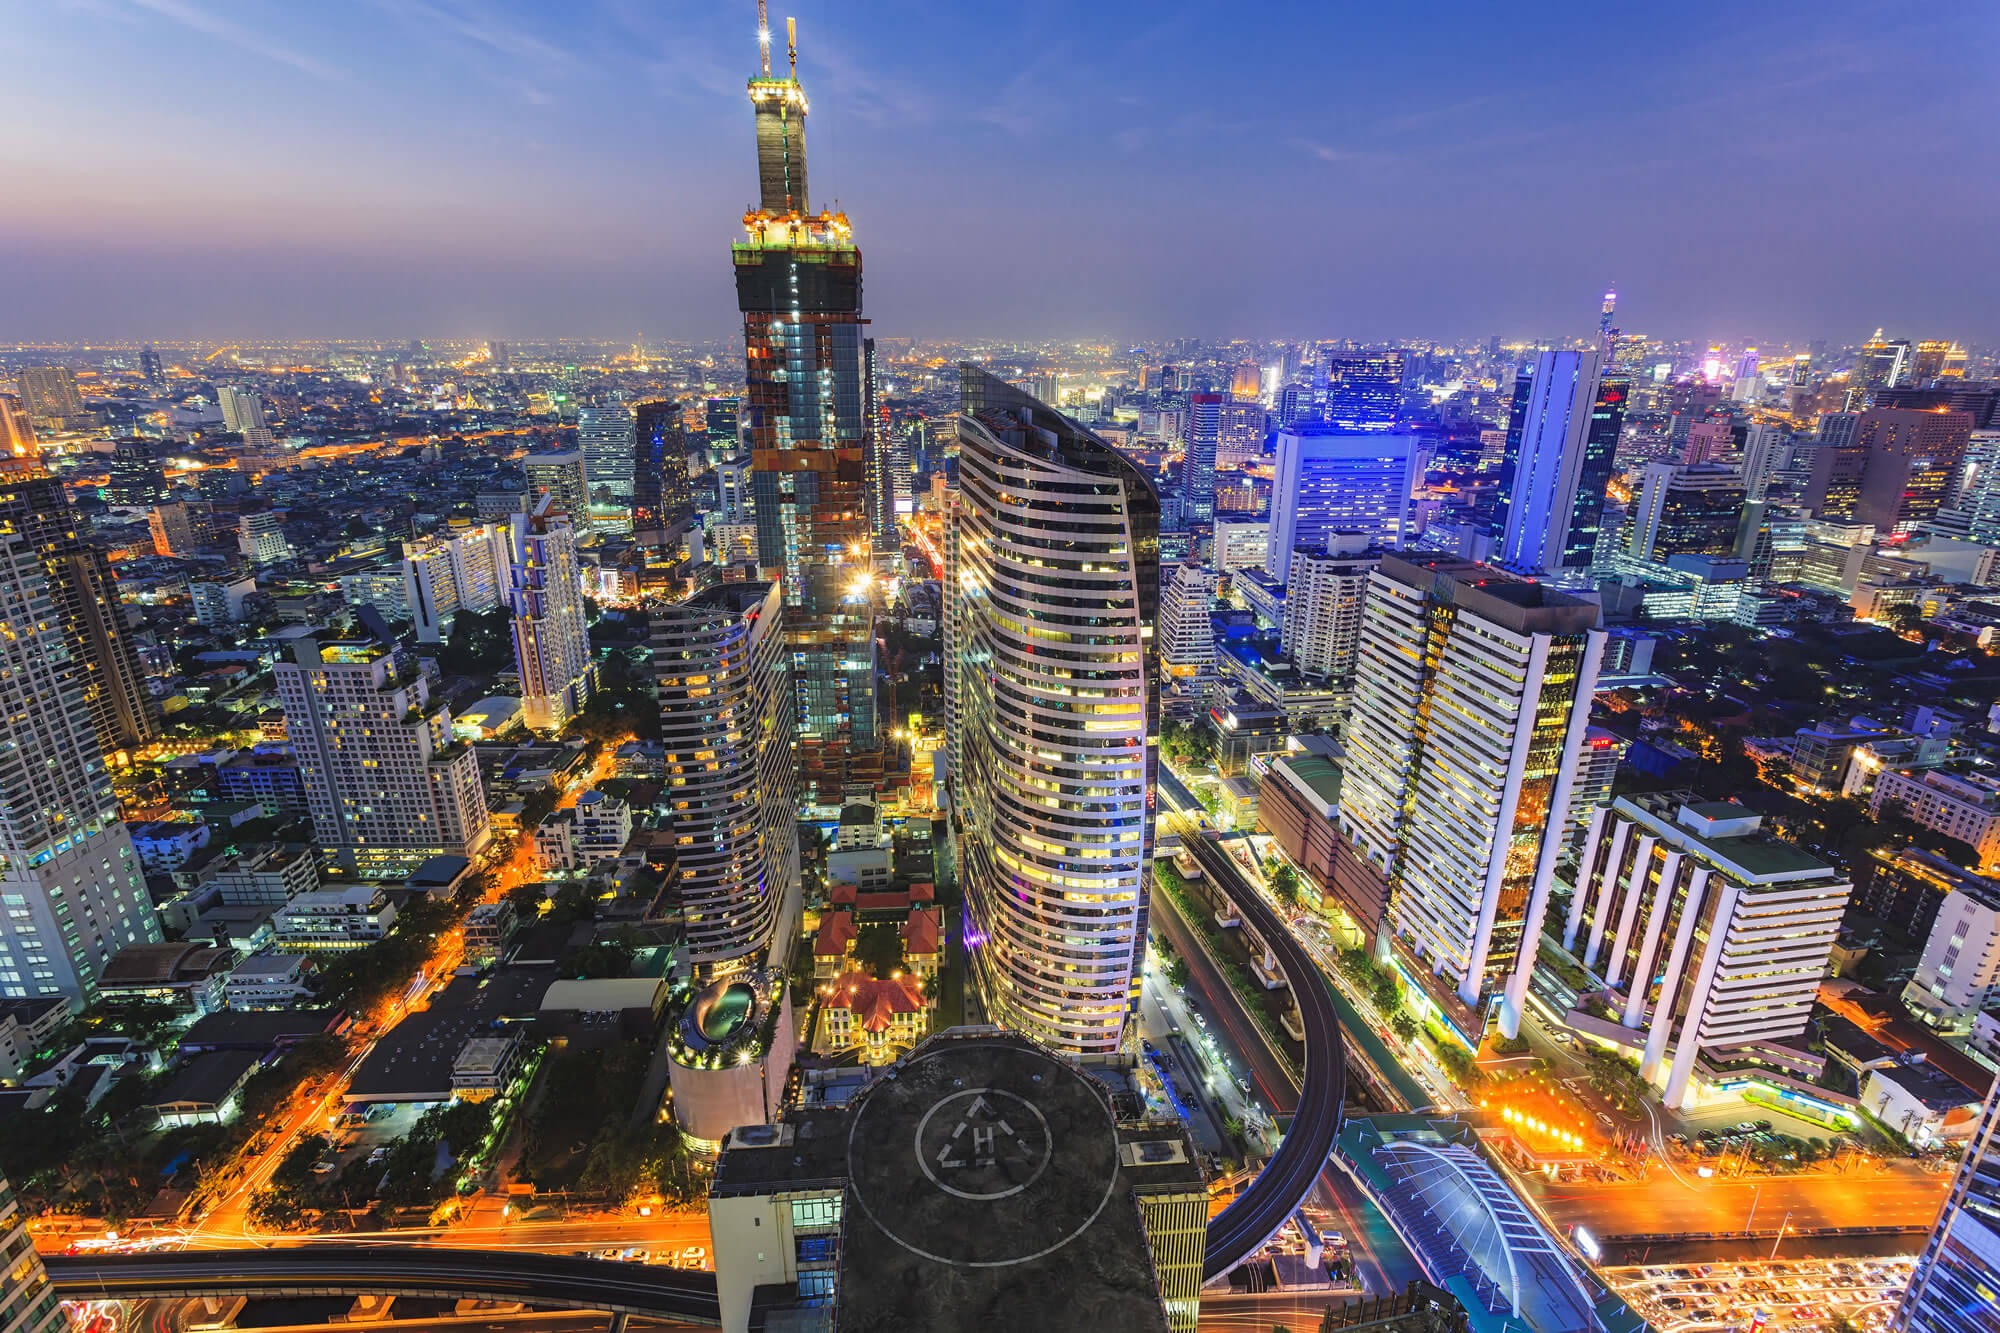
[1053, 581]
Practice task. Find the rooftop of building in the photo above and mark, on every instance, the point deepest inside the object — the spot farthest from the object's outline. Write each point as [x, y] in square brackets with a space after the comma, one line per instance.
[207, 1080]
[979, 1173]
[875, 1001]
[604, 994]
[1932, 1087]
[1728, 833]
[174, 963]
[258, 1031]
[1520, 604]
[1318, 774]
[412, 1061]
[350, 897]
[268, 964]
[439, 872]
[989, 1151]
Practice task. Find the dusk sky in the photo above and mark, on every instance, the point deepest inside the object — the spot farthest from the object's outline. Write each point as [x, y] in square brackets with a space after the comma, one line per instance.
[443, 168]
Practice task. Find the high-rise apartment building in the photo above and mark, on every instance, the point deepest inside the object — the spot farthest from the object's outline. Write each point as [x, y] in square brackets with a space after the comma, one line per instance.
[151, 370]
[720, 426]
[1912, 461]
[459, 569]
[387, 785]
[1051, 589]
[36, 515]
[1557, 463]
[561, 477]
[551, 630]
[1186, 637]
[1958, 974]
[1472, 699]
[1240, 543]
[49, 393]
[30, 1303]
[1956, 1285]
[1883, 363]
[181, 529]
[721, 675]
[136, 476]
[260, 535]
[1685, 510]
[1711, 933]
[70, 881]
[1242, 434]
[1766, 448]
[1364, 390]
[1325, 590]
[242, 410]
[663, 492]
[607, 438]
[733, 491]
[1975, 498]
[1198, 462]
[17, 436]
[885, 481]
[1328, 480]
[806, 414]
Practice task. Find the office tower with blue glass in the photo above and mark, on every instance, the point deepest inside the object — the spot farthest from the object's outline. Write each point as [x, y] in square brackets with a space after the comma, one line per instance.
[1956, 1285]
[1557, 464]
[1329, 481]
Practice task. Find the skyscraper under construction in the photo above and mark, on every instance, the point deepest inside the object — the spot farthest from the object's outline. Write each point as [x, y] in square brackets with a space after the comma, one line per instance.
[806, 414]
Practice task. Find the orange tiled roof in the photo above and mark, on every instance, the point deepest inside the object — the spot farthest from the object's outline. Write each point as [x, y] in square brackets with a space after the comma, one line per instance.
[920, 933]
[836, 932]
[876, 1003]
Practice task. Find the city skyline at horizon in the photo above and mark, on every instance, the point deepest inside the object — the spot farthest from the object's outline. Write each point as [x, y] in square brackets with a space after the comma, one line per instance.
[474, 172]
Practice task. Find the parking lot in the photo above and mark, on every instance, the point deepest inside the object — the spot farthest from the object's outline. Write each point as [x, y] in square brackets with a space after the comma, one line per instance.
[1798, 1293]
[353, 1134]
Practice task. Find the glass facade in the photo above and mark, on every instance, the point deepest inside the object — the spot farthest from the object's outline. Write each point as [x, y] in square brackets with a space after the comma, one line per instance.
[1956, 1286]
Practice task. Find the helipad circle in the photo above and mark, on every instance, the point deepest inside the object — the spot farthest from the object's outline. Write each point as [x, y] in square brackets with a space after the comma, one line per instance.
[982, 1157]
[997, 1140]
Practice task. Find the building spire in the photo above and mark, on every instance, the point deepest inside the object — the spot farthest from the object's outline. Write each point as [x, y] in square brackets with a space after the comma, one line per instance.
[764, 36]
[792, 45]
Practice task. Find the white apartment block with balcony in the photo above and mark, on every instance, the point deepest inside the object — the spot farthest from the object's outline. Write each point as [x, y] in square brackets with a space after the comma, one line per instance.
[1324, 595]
[337, 918]
[460, 569]
[1961, 806]
[1471, 704]
[269, 981]
[1710, 934]
[387, 785]
[1959, 972]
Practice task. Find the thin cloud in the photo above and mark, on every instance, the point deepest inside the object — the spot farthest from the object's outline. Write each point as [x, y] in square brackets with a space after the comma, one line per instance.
[1325, 152]
[211, 25]
[481, 29]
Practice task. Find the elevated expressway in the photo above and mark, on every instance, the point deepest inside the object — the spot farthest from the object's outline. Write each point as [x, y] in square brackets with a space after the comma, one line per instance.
[400, 1270]
[1285, 1180]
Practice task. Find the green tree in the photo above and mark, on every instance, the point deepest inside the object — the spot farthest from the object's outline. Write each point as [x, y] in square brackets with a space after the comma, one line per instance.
[612, 957]
[1382, 987]
[1403, 1026]
[878, 947]
[1177, 974]
[1284, 882]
